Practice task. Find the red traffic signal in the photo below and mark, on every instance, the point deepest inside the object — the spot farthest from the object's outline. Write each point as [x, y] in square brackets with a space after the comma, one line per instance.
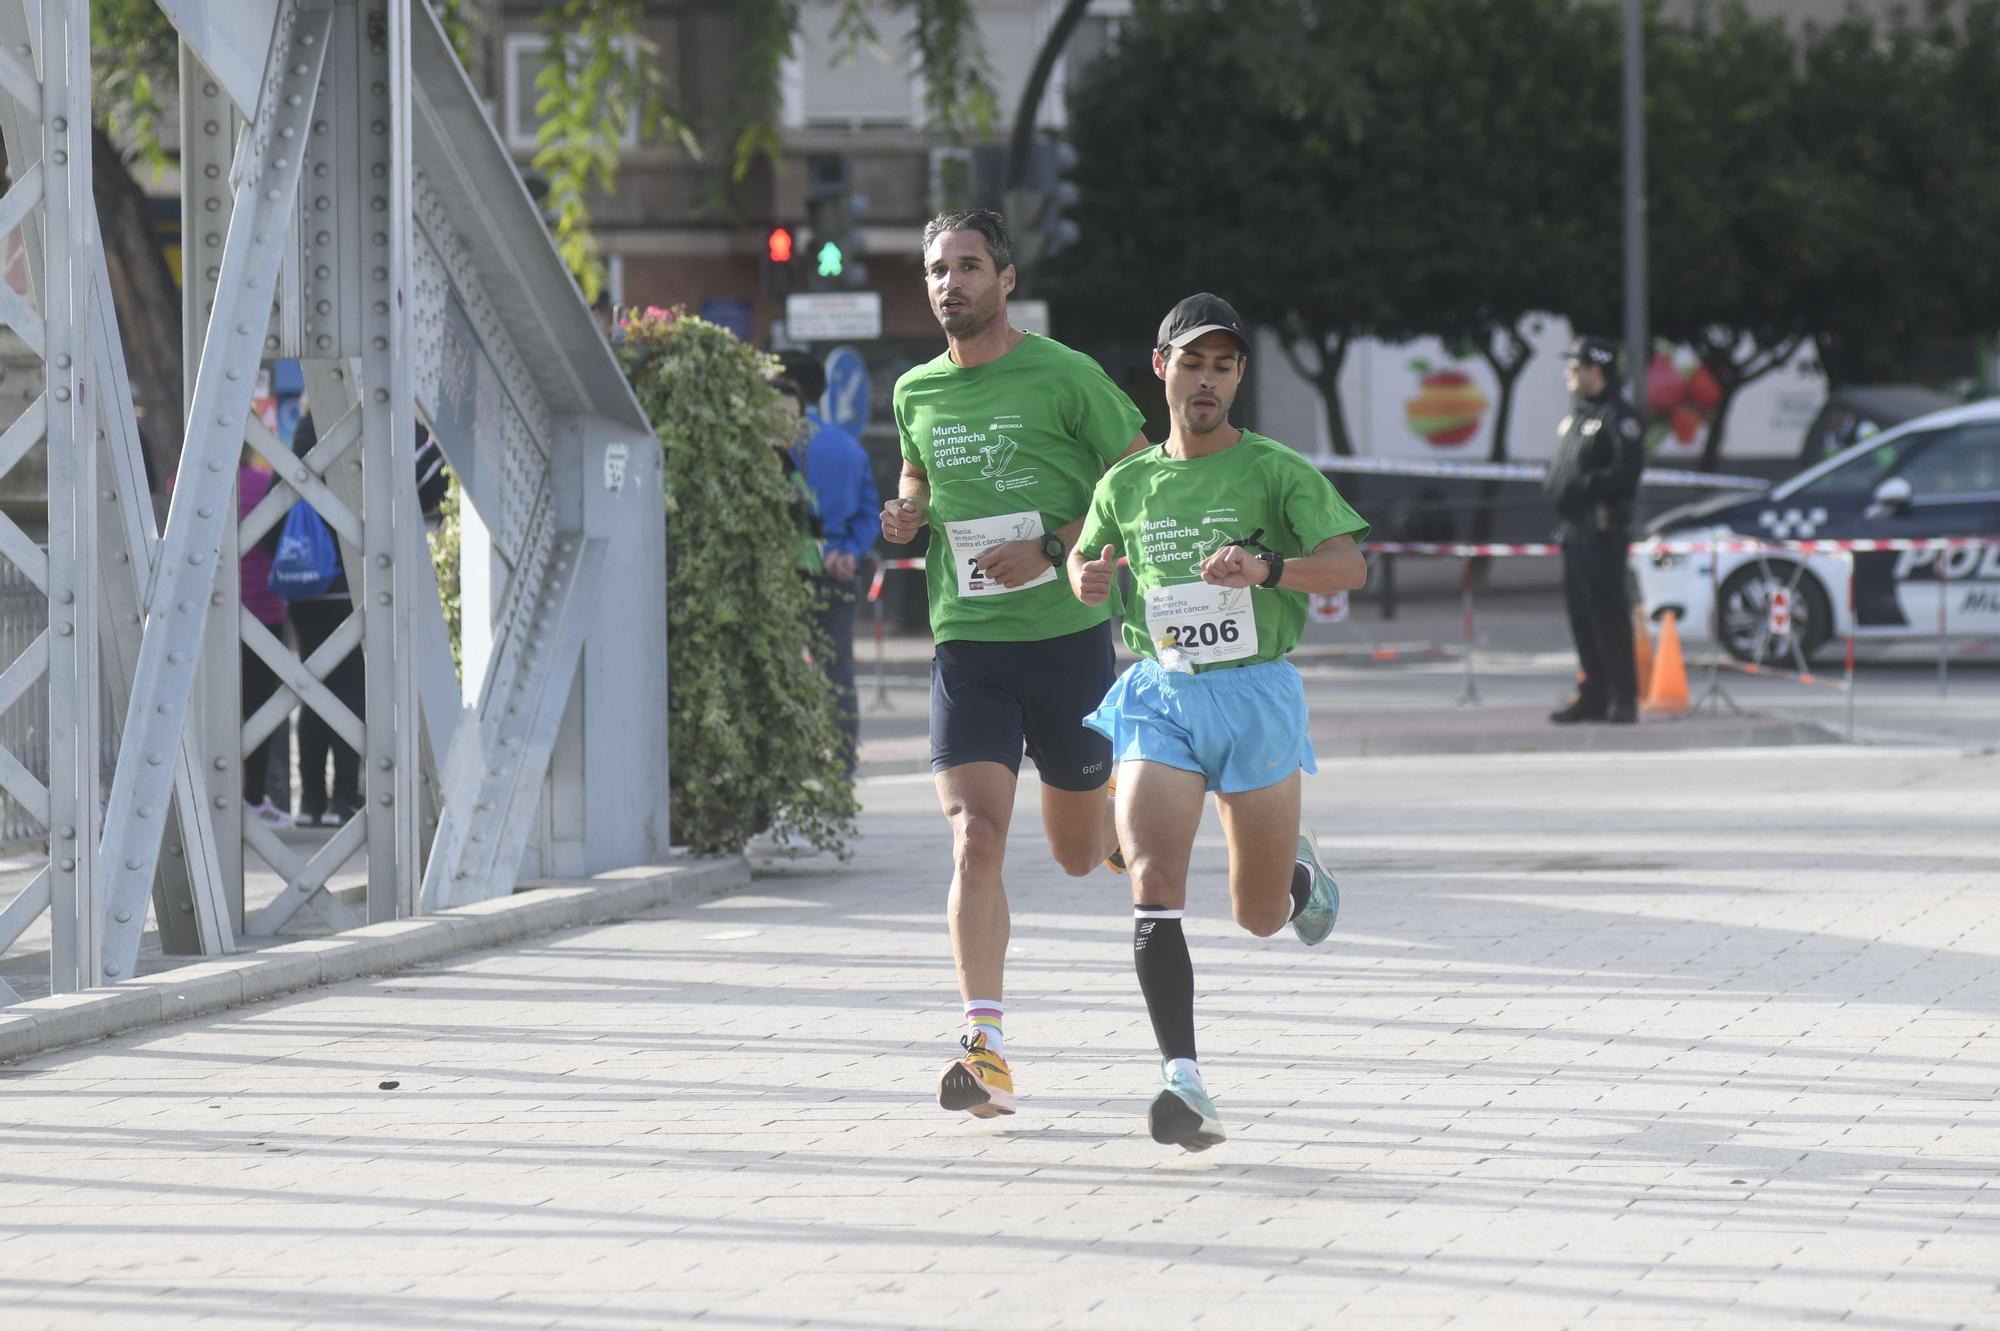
[779, 244]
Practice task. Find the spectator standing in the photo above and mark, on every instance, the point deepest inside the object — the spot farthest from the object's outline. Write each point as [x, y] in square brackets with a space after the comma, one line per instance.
[1594, 485]
[836, 470]
[253, 482]
[316, 618]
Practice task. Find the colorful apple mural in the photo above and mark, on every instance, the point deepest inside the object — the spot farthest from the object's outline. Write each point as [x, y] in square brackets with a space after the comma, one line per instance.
[1448, 408]
[1681, 395]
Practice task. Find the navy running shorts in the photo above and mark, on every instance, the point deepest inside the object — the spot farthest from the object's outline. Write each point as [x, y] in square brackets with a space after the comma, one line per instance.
[992, 700]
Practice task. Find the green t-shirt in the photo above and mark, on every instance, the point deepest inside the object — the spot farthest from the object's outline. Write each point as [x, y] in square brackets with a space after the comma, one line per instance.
[1166, 516]
[1012, 449]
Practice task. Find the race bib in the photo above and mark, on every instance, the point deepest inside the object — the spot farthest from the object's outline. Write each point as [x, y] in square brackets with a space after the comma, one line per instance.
[974, 537]
[1202, 623]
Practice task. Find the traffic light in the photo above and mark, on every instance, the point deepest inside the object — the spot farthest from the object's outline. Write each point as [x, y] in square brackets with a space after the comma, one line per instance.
[1038, 208]
[780, 272]
[831, 207]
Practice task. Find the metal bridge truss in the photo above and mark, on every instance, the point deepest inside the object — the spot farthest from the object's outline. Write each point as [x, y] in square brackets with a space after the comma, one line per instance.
[346, 202]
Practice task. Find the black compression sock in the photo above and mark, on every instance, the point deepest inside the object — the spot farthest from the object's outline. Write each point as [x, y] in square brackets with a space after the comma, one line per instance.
[1166, 978]
[1302, 886]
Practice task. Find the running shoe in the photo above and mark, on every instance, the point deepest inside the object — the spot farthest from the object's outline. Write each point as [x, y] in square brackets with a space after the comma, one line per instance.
[1315, 922]
[1115, 861]
[979, 1083]
[1182, 1115]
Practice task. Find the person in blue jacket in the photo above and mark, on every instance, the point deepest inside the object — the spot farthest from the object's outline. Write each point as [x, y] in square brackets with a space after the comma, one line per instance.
[837, 470]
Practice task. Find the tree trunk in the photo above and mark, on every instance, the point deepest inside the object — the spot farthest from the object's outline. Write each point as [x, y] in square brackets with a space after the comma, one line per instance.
[1329, 355]
[1732, 376]
[1328, 382]
[148, 305]
[1507, 373]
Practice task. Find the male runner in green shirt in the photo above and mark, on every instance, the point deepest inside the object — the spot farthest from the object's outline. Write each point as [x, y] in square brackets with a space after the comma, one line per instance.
[1226, 532]
[1003, 437]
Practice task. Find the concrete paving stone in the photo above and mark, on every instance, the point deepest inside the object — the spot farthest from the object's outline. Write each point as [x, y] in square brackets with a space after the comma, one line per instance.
[716, 1111]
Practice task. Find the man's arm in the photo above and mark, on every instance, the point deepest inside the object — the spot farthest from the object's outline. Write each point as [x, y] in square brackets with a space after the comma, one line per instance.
[1335, 565]
[905, 515]
[1015, 562]
[850, 532]
[1620, 480]
[1091, 578]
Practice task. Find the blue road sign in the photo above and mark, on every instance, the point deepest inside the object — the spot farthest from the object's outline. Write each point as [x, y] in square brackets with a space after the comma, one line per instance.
[731, 314]
[846, 401]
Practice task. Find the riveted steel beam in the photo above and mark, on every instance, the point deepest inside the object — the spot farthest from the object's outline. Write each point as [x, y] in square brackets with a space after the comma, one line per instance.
[268, 167]
[75, 709]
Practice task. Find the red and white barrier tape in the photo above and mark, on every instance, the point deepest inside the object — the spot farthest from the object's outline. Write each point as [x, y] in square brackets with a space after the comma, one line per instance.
[1544, 549]
[1523, 471]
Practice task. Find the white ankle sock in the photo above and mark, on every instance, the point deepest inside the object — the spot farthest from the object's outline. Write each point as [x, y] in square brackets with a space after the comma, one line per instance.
[1186, 1065]
[982, 1017]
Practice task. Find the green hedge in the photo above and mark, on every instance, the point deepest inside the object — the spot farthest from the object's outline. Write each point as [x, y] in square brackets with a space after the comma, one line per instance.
[752, 740]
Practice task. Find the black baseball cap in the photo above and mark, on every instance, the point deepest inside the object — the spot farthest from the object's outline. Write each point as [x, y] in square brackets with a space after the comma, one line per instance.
[1201, 313]
[1591, 350]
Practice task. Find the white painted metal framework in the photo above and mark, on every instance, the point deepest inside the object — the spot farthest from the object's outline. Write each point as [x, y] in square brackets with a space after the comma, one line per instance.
[345, 202]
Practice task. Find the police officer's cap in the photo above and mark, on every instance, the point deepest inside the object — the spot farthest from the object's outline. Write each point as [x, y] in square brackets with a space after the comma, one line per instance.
[1599, 351]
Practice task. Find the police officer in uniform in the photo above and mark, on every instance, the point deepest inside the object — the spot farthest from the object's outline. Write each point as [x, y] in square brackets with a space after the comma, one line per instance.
[1593, 482]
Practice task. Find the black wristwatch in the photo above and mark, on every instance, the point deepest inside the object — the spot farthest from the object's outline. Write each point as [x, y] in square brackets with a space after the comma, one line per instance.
[1054, 550]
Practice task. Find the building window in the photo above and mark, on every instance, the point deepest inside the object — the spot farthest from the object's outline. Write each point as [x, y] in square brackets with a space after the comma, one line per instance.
[826, 88]
[521, 124]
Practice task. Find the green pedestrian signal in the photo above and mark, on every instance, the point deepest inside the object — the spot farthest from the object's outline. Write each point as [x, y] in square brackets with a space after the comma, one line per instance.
[831, 263]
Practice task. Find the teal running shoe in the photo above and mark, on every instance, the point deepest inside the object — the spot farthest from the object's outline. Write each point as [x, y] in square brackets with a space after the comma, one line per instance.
[1182, 1115]
[1315, 922]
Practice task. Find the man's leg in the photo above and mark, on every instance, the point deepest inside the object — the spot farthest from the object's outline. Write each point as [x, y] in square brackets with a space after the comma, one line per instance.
[1611, 621]
[978, 801]
[1074, 760]
[1082, 828]
[1159, 809]
[1591, 698]
[836, 621]
[1261, 829]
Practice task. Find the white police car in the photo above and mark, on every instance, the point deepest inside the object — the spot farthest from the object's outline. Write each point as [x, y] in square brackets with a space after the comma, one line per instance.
[1937, 475]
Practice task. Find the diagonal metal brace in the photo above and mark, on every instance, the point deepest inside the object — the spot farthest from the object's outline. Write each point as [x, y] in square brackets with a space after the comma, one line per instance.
[269, 162]
[490, 803]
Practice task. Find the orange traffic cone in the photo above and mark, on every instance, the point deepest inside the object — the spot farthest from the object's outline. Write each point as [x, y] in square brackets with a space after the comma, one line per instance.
[1668, 691]
[1642, 650]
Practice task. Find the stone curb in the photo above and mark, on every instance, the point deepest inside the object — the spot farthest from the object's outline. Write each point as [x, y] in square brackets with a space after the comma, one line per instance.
[56, 1022]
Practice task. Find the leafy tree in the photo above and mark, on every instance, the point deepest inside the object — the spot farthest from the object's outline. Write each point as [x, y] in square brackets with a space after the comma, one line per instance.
[751, 731]
[1425, 167]
[1513, 109]
[1220, 148]
[1902, 197]
[1728, 233]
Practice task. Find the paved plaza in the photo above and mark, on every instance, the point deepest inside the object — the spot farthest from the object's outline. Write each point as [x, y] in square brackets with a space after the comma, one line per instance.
[1634, 1039]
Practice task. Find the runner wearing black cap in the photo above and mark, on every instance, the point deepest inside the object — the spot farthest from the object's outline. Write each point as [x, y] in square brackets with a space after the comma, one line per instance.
[1594, 483]
[1226, 533]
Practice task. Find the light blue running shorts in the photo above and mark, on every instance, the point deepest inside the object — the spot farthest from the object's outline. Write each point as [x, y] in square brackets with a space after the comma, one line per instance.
[1243, 729]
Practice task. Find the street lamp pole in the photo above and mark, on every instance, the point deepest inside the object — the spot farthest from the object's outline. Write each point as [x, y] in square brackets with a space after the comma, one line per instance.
[1637, 348]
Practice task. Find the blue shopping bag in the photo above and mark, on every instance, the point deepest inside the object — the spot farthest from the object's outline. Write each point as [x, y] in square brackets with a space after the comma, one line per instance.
[307, 561]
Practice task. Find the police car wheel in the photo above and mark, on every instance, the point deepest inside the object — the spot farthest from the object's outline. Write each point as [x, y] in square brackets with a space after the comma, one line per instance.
[1747, 630]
